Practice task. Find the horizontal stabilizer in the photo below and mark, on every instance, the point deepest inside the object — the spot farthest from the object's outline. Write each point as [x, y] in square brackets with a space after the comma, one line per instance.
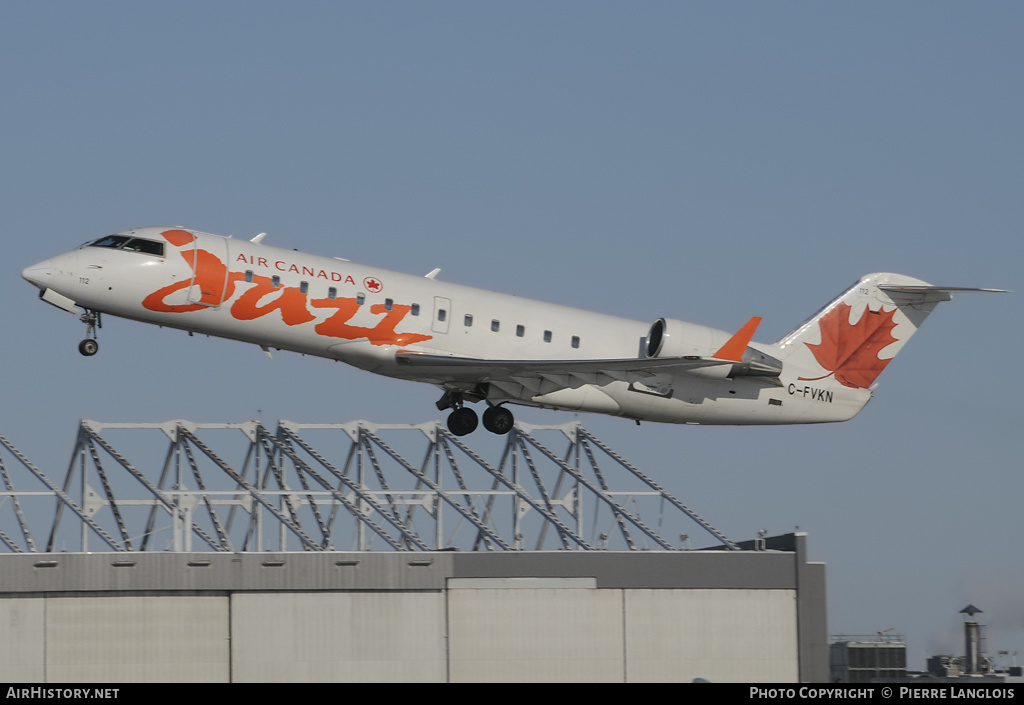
[938, 289]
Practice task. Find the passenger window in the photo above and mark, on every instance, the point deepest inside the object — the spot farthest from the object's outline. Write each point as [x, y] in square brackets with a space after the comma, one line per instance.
[389, 304]
[575, 341]
[547, 336]
[304, 287]
[360, 298]
[275, 281]
[415, 309]
[248, 276]
[468, 320]
[520, 331]
[441, 314]
[495, 325]
[332, 293]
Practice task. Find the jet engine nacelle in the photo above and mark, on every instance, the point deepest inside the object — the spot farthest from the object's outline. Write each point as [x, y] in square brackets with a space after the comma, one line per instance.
[668, 337]
[671, 338]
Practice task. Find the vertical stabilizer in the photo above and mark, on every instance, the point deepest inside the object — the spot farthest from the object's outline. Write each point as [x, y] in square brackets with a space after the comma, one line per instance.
[850, 341]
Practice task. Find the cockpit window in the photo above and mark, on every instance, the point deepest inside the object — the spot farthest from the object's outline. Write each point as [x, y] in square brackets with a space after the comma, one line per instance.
[150, 247]
[130, 244]
[111, 241]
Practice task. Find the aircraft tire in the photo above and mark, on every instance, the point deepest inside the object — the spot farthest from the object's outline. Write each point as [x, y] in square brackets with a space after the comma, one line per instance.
[462, 421]
[499, 420]
[88, 347]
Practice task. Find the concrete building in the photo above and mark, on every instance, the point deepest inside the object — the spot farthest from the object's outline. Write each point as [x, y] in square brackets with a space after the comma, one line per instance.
[533, 616]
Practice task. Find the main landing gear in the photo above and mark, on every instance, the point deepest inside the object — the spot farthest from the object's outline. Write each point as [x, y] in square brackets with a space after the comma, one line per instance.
[463, 420]
[92, 321]
[498, 419]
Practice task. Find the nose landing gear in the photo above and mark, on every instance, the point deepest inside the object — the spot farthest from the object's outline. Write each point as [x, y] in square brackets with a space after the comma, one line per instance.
[90, 346]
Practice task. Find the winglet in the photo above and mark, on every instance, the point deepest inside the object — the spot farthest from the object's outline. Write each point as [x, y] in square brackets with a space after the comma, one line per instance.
[258, 238]
[735, 347]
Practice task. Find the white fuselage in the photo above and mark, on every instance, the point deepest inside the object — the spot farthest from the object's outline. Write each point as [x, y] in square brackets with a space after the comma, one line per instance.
[288, 300]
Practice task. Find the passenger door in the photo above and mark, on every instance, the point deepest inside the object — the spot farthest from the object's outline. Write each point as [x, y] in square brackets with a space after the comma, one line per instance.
[209, 271]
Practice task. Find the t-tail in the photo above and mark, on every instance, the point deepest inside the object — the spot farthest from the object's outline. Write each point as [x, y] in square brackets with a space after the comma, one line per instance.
[847, 344]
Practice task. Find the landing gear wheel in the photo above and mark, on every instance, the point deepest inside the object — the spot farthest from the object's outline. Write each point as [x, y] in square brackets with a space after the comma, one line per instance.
[462, 421]
[92, 321]
[498, 419]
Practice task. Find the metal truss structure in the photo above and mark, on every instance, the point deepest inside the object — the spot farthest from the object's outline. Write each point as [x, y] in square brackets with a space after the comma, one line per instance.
[325, 487]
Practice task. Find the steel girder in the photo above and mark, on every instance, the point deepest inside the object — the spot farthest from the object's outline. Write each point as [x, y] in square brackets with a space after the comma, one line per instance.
[352, 486]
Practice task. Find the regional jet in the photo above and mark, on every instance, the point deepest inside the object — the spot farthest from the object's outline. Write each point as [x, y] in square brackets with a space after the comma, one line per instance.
[482, 346]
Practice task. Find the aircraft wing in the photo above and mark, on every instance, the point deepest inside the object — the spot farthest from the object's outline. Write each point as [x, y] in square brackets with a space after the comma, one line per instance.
[546, 376]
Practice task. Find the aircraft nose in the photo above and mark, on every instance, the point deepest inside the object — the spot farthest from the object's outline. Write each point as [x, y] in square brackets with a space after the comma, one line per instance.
[39, 274]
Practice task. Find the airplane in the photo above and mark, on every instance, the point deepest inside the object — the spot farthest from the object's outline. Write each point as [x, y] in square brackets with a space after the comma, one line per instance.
[482, 346]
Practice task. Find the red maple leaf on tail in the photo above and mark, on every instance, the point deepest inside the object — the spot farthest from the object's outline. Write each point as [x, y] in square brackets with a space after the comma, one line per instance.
[850, 350]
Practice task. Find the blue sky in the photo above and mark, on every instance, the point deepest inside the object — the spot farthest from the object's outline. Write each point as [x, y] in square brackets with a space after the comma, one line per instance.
[703, 161]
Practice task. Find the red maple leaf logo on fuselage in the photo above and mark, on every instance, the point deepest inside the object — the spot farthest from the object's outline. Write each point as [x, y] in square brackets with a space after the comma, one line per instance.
[850, 350]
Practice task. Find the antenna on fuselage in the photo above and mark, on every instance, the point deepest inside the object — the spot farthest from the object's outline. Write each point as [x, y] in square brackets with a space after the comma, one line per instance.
[258, 238]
